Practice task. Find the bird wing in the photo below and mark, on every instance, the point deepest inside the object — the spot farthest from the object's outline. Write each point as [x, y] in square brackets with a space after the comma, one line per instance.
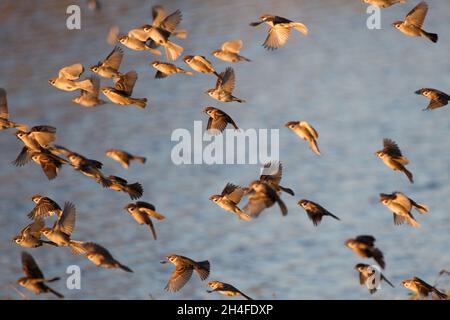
[233, 192]
[44, 135]
[126, 82]
[233, 46]
[180, 276]
[270, 175]
[171, 22]
[30, 267]
[402, 200]
[437, 103]
[146, 205]
[366, 239]
[71, 72]
[114, 59]
[228, 80]
[276, 38]
[417, 15]
[158, 14]
[33, 229]
[391, 148]
[203, 60]
[257, 202]
[96, 88]
[23, 158]
[219, 124]
[50, 169]
[66, 223]
[310, 129]
[3, 105]
[91, 247]
[42, 209]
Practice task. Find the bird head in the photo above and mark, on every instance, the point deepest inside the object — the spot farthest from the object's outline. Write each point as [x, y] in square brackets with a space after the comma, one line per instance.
[397, 24]
[155, 63]
[291, 124]
[208, 110]
[215, 198]
[406, 283]
[52, 81]
[131, 207]
[46, 231]
[22, 281]
[20, 134]
[17, 239]
[216, 53]
[380, 154]
[36, 198]
[95, 68]
[360, 267]
[188, 59]
[214, 284]
[350, 243]
[302, 203]
[123, 39]
[171, 258]
[266, 17]
[210, 92]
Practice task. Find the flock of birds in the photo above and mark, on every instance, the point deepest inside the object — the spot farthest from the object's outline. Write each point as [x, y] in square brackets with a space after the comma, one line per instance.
[263, 193]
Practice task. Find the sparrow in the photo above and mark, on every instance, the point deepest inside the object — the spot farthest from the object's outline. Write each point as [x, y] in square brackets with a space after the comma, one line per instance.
[365, 271]
[412, 26]
[45, 207]
[224, 87]
[183, 271]
[30, 236]
[109, 68]
[383, 3]
[98, 255]
[5, 123]
[67, 76]
[134, 190]
[305, 131]
[364, 247]
[142, 211]
[279, 31]
[315, 211]
[134, 44]
[162, 20]
[262, 196]
[62, 229]
[230, 51]
[217, 120]
[165, 69]
[393, 158]
[94, 173]
[34, 279]
[123, 157]
[200, 64]
[50, 163]
[229, 198]
[226, 289]
[272, 173]
[401, 207]
[88, 99]
[113, 35]
[123, 88]
[423, 289]
[437, 98]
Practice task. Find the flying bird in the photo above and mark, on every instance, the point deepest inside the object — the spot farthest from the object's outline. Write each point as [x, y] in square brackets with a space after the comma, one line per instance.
[62, 229]
[224, 87]
[365, 272]
[123, 157]
[226, 289]
[90, 99]
[412, 26]
[262, 196]
[423, 289]
[305, 131]
[272, 172]
[67, 76]
[30, 236]
[162, 20]
[200, 64]
[137, 45]
[122, 91]
[45, 207]
[98, 255]
[217, 120]
[383, 3]
[109, 68]
[364, 246]
[229, 199]
[437, 98]
[5, 123]
[401, 207]
[142, 212]
[134, 190]
[279, 31]
[164, 69]
[229, 51]
[183, 271]
[315, 211]
[393, 158]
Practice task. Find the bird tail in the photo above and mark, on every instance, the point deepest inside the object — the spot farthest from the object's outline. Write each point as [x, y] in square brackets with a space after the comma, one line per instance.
[300, 27]
[180, 34]
[422, 208]
[152, 229]
[378, 256]
[245, 296]
[52, 279]
[203, 268]
[238, 100]
[135, 190]
[283, 208]
[156, 52]
[173, 50]
[244, 216]
[76, 247]
[86, 85]
[408, 174]
[287, 190]
[139, 159]
[21, 127]
[332, 215]
[242, 58]
[217, 75]
[141, 103]
[439, 295]
[431, 36]
[413, 222]
[124, 268]
[315, 147]
[56, 293]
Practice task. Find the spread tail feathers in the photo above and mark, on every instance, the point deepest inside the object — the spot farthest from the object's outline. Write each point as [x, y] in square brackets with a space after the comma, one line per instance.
[139, 159]
[173, 51]
[315, 147]
[135, 190]
[141, 103]
[409, 175]
[300, 27]
[431, 36]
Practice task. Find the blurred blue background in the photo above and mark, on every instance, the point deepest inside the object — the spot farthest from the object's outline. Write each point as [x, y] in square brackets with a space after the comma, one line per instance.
[354, 85]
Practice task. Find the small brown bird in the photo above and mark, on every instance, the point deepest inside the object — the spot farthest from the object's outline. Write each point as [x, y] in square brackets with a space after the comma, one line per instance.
[137, 45]
[5, 123]
[262, 196]
[38, 138]
[383, 3]
[34, 279]
[393, 158]
[315, 211]
[67, 76]
[437, 98]
[200, 64]
[123, 88]
[226, 289]
[45, 207]
[62, 229]
[109, 68]
[365, 272]
[134, 190]
[401, 207]
[123, 157]
[30, 236]
[279, 31]
[224, 87]
[230, 51]
[165, 69]
[50, 163]
[412, 26]
[423, 289]
[183, 271]
[166, 22]
[364, 247]
[142, 211]
[88, 99]
[272, 172]
[305, 131]
[229, 199]
[98, 255]
[217, 120]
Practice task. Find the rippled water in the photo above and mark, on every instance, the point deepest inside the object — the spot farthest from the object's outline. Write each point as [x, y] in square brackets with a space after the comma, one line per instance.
[354, 85]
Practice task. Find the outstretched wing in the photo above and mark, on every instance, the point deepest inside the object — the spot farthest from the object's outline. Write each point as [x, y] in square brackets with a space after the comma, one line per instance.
[30, 267]
[417, 15]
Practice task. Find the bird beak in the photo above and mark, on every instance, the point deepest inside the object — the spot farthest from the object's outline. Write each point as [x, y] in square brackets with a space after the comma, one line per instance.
[163, 262]
[209, 291]
[255, 24]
